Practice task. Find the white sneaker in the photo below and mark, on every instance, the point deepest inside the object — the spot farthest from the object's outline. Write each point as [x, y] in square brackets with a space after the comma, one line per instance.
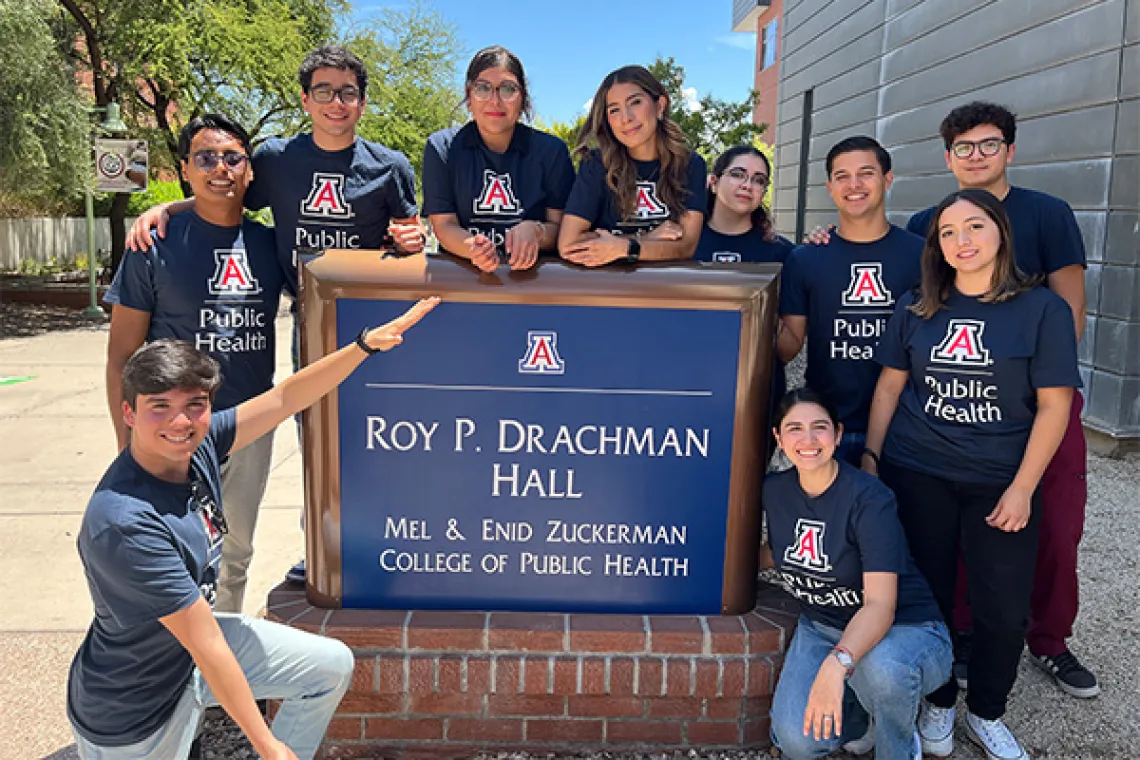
[995, 738]
[864, 743]
[936, 729]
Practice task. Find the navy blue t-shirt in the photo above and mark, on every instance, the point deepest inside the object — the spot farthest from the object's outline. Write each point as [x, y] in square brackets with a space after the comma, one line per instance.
[329, 199]
[491, 192]
[969, 402]
[149, 548]
[822, 545]
[750, 247]
[217, 288]
[592, 200]
[1046, 237]
[848, 291]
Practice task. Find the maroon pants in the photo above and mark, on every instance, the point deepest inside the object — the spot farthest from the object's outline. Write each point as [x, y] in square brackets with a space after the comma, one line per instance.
[1056, 591]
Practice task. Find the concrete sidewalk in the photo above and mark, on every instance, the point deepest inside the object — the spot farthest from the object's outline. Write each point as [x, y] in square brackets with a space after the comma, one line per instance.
[56, 441]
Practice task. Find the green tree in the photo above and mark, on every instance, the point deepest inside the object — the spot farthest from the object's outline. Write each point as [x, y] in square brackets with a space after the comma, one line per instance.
[44, 154]
[412, 56]
[715, 124]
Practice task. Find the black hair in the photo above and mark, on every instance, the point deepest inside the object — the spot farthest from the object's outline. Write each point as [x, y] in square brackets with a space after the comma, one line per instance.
[761, 217]
[497, 56]
[166, 365]
[859, 142]
[333, 57]
[937, 274]
[211, 121]
[804, 395]
[964, 118]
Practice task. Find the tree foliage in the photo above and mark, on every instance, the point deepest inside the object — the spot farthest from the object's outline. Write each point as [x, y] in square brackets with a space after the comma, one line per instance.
[43, 125]
[715, 124]
[412, 55]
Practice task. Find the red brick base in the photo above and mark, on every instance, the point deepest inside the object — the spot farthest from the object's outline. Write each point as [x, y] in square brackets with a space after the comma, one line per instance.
[453, 684]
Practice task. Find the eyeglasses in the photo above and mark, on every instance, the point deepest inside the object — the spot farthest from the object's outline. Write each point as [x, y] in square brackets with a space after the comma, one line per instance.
[483, 90]
[348, 94]
[988, 147]
[206, 160]
[204, 502]
[741, 175]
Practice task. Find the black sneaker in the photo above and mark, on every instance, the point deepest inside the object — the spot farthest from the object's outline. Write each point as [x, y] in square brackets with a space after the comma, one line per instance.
[1073, 677]
[962, 642]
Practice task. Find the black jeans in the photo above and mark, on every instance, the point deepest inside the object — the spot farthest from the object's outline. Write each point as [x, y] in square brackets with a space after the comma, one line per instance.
[939, 515]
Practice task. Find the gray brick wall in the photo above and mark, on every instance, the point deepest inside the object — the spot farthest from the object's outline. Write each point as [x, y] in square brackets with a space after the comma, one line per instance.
[1070, 69]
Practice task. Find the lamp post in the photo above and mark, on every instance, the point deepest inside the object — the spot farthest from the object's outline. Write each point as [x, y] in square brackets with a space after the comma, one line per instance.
[113, 125]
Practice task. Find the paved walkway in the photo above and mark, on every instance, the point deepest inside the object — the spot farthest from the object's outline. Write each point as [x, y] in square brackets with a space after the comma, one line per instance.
[56, 441]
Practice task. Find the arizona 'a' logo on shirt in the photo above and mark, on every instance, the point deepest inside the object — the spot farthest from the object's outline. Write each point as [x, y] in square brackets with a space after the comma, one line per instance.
[542, 354]
[649, 206]
[807, 551]
[497, 197]
[326, 197]
[866, 287]
[232, 275]
[962, 345]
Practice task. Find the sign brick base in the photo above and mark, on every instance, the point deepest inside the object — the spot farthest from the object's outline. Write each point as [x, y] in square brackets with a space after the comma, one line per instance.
[432, 684]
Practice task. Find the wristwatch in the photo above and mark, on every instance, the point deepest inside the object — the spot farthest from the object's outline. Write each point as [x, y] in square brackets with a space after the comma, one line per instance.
[360, 341]
[633, 254]
[845, 659]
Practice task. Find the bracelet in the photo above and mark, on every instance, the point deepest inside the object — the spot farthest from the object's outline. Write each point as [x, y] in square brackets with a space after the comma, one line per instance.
[873, 456]
[360, 341]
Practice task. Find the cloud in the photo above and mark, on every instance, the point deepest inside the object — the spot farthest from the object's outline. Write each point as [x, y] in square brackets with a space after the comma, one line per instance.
[690, 100]
[739, 40]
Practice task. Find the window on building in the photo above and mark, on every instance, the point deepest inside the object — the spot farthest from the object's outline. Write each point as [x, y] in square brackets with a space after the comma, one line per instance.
[771, 36]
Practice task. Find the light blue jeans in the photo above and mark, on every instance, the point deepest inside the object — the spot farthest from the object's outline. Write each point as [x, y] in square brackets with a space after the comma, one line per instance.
[907, 664]
[310, 673]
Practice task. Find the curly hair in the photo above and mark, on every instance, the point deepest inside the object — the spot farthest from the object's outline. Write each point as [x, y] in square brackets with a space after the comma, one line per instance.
[761, 217]
[938, 276]
[621, 174]
[964, 118]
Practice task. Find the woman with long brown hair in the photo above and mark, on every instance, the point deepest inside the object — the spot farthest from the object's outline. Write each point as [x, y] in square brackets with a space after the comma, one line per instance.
[640, 191]
[979, 367]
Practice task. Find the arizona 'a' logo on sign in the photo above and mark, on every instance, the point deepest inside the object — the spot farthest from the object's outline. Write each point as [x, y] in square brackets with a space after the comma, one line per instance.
[542, 354]
[962, 345]
[232, 276]
[866, 287]
[326, 197]
[497, 196]
[649, 206]
[807, 551]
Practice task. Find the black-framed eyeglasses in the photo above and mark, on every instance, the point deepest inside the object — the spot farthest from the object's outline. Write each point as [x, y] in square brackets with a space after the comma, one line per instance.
[323, 93]
[988, 147]
[483, 90]
[204, 502]
[741, 175]
[206, 160]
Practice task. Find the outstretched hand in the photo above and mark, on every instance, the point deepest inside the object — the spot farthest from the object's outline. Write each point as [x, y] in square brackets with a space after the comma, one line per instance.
[391, 334]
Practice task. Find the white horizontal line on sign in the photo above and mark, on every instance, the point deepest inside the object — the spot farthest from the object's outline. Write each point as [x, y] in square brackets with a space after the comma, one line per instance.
[520, 389]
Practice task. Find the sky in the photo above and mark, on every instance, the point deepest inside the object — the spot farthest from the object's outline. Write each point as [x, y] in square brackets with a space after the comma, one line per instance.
[568, 47]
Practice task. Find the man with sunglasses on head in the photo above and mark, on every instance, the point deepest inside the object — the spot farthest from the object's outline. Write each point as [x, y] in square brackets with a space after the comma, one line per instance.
[156, 655]
[214, 281]
[327, 188]
[979, 141]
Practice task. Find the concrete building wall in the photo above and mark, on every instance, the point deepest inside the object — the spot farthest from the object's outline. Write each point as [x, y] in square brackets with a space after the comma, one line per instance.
[1070, 69]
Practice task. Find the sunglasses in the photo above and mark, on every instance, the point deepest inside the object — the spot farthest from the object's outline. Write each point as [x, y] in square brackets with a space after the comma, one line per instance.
[988, 147]
[483, 90]
[323, 93]
[203, 501]
[207, 160]
[740, 174]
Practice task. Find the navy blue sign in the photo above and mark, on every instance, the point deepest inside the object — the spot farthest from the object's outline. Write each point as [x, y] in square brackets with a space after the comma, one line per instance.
[549, 458]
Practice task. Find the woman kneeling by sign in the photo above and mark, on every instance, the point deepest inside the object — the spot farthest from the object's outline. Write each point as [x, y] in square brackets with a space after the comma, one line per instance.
[870, 642]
